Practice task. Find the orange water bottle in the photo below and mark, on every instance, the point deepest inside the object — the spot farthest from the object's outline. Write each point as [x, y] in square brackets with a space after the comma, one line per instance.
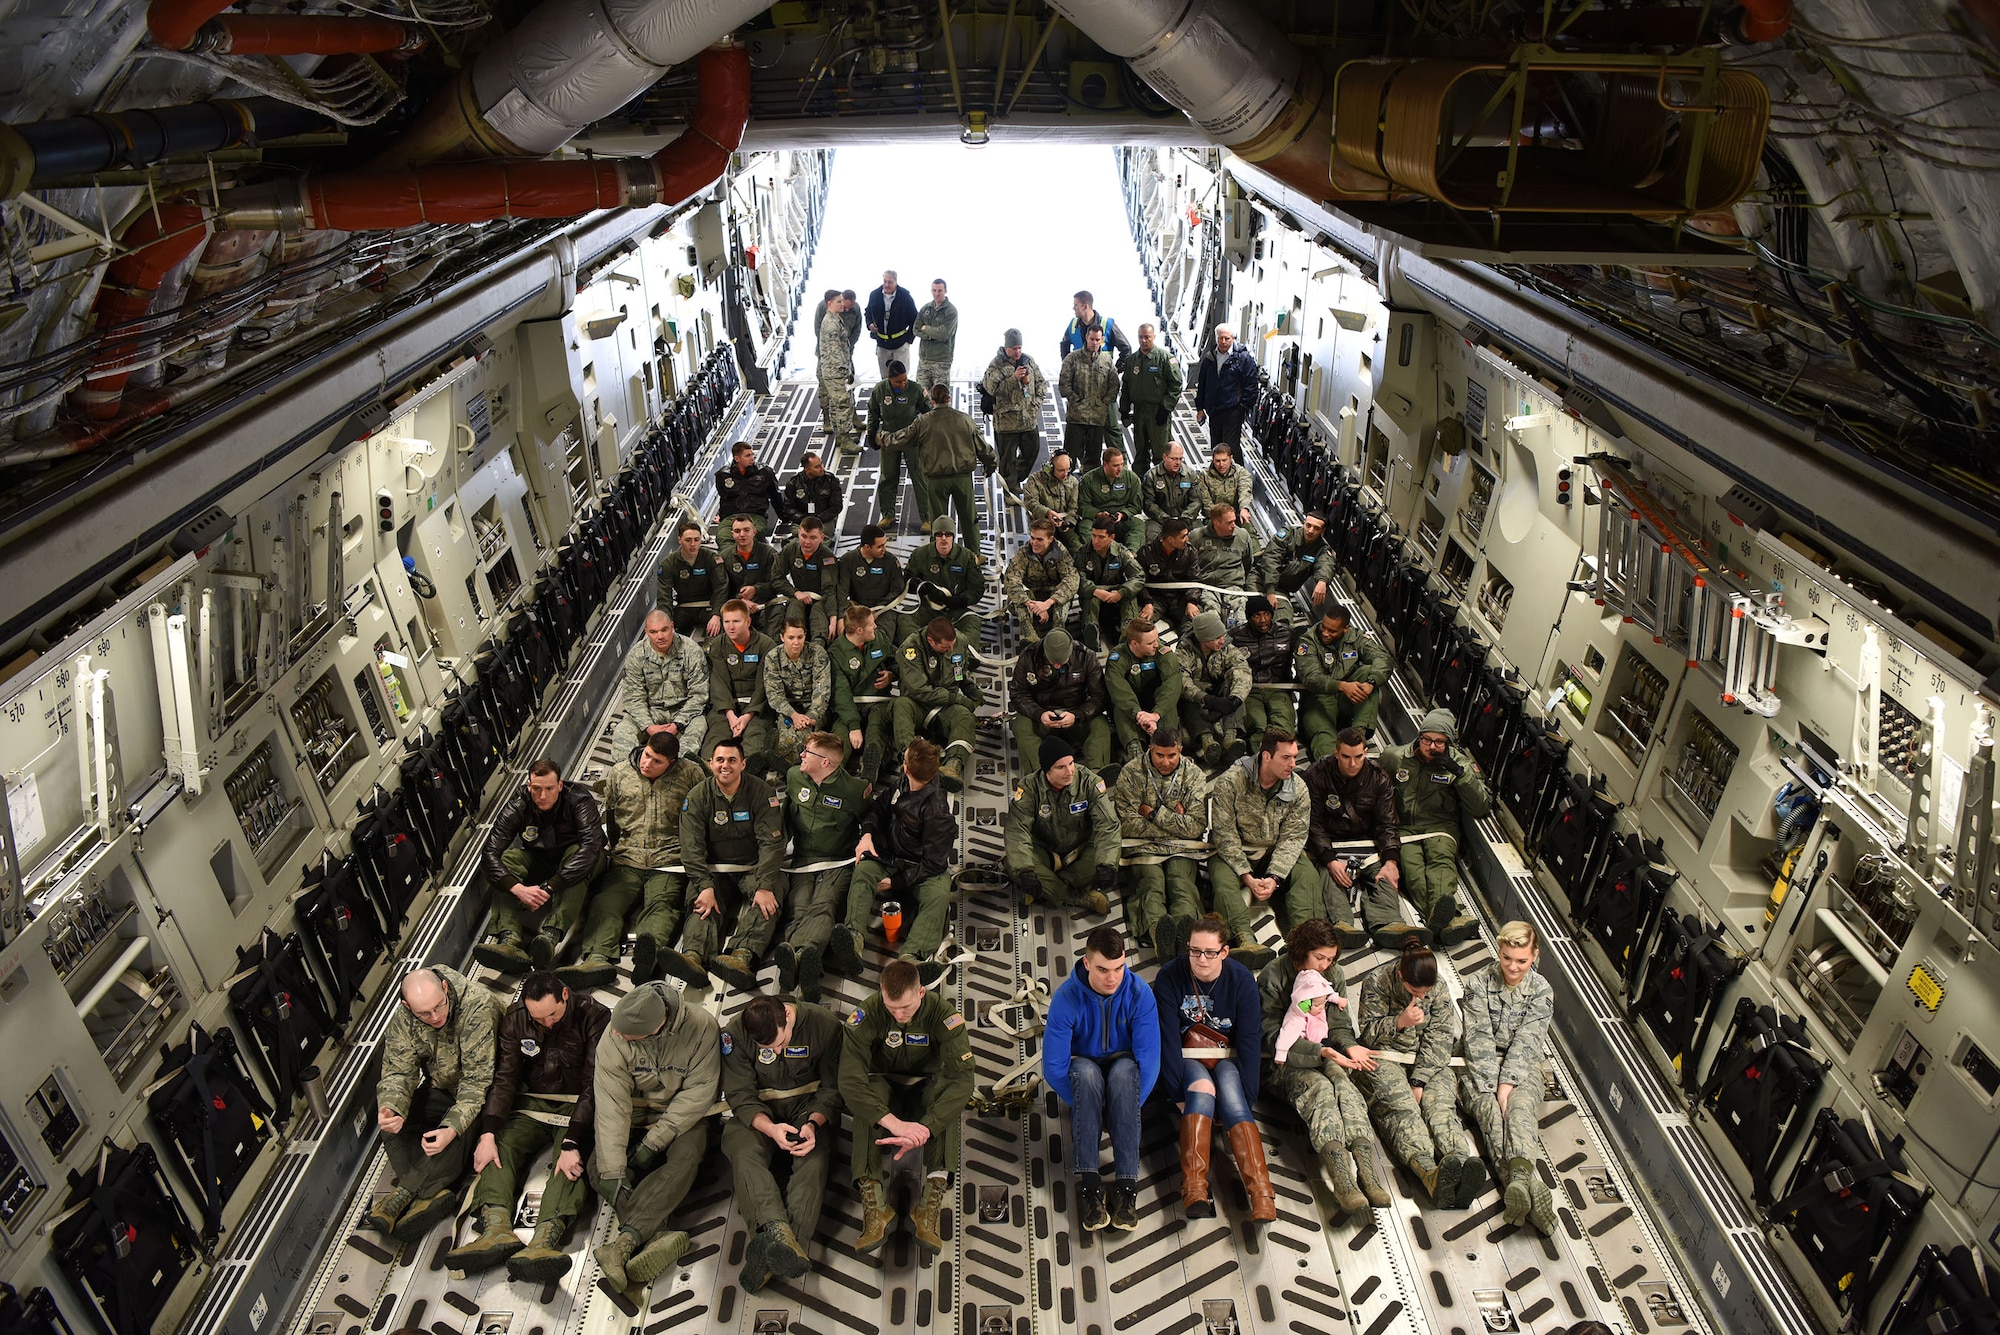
[892, 920]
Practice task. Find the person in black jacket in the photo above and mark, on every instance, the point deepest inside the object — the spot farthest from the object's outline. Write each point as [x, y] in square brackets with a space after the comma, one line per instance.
[812, 491]
[908, 845]
[892, 323]
[746, 487]
[1171, 570]
[562, 850]
[1226, 389]
[542, 1076]
[1354, 816]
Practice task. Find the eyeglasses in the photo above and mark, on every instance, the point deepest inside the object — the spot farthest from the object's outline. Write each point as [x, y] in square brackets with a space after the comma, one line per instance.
[1197, 953]
[437, 1010]
[821, 755]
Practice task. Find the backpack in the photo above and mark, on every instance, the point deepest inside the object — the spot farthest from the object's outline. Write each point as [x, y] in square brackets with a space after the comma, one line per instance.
[277, 1001]
[1759, 1086]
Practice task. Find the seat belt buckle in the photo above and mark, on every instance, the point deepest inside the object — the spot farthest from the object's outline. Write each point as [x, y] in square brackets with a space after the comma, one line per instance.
[1763, 1042]
[122, 1235]
[1840, 1181]
[1940, 1323]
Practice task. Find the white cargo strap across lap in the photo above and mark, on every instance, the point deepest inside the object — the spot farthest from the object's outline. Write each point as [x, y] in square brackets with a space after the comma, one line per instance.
[1406, 1058]
[828, 865]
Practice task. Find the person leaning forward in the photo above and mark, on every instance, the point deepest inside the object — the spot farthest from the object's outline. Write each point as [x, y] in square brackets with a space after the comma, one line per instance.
[543, 1101]
[561, 850]
[940, 695]
[948, 443]
[1438, 788]
[909, 843]
[1108, 580]
[1143, 685]
[643, 797]
[824, 808]
[733, 845]
[1058, 692]
[437, 1066]
[659, 1065]
[906, 1076]
[781, 1078]
[1062, 834]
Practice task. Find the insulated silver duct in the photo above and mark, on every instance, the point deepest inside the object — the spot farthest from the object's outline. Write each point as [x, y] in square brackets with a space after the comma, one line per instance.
[562, 68]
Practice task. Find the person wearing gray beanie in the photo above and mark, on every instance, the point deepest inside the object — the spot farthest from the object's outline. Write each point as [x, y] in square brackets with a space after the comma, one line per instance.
[1438, 790]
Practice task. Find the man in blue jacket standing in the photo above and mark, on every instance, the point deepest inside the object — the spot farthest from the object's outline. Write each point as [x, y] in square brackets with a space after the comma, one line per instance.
[892, 323]
[1101, 1054]
[1226, 390]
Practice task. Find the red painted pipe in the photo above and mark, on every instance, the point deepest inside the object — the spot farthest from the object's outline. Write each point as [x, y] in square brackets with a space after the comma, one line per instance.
[159, 241]
[1766, 20]
[365, 201]
[305, 35]
[174, 23]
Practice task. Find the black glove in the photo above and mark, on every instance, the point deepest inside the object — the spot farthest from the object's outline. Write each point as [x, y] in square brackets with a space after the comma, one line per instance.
[868, 439]
[641, 1159]
[1452, 765]
[1026, 882]
[1107, 878]
[1215, 706]
[1165, 415]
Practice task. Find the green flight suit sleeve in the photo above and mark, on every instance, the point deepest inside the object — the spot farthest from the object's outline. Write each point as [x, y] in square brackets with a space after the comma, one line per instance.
[739, 1076]
[770, 827]
[1474, 798]
[1020, 834]
[694, 839]
[1374, 663]
[832, 1044]
[865, 1093]
[1104, 829]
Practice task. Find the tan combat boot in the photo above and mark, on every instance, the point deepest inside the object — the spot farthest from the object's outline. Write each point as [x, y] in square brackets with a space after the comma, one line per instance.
[1340, 1167]
[1518, 1198]
[387, 1211]
[1542, 1214]
[783, 1252]
[1368, 1172]
[613, 1255]
[656, 1258]
[876, 1216]
[924, 1219]
[495, 1243]
[544, 1259]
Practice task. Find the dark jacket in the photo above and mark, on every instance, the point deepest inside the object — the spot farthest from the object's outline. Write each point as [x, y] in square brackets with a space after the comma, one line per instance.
[574, 820]
[1346, 810]
[1229, 1005]
[916, 836]
[1180, 567]
[1270, 655]
[1039, 686]
[1230, 387]
[562, 1060]
[821, 496]
[751, 493]
[891, 323]
[1115, 342]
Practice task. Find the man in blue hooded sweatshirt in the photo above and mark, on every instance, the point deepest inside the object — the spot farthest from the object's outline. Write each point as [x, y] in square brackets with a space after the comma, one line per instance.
[1101, 1054]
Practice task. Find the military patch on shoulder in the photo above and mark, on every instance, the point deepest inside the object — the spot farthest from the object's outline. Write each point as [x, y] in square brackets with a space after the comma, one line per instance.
[855, 1017]
[777, 799]
[954, 1020]
[911, 653]
[1114, 656]
[1100, 785]
[1020, 792]
[728, 1043]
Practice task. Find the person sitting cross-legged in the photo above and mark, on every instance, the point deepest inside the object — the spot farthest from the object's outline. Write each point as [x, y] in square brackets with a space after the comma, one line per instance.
[909, 843]
[1101, 1055]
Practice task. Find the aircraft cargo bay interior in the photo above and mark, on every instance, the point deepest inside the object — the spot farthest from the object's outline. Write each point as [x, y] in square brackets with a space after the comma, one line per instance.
[1007, 667]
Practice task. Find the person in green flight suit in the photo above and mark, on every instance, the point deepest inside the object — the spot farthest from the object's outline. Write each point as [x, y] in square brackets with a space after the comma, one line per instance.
[864, 712]
[1148, 390]
[824, 807]
[892, 405]
[1438, 788]
[733, 846]
[1144, 686]
[949, 578]
[1112, 489]
[1340, 673]
[939, 697]
[1062, 833]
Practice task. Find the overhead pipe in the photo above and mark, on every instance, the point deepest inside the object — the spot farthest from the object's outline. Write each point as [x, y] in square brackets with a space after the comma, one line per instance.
[561, 69]
[159, 240]
[200, 25]
[472, 192]
[1764, 20]
[35, 154]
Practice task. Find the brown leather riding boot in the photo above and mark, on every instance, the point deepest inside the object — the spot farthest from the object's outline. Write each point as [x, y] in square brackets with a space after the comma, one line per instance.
[1197, 1136]
[1248, 1149]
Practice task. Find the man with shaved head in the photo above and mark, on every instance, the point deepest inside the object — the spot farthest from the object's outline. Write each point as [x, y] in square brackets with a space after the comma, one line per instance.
[665, 688]
[437, 1066]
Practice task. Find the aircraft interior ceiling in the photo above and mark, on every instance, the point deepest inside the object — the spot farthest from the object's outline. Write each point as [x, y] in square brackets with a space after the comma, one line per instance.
[359, 360]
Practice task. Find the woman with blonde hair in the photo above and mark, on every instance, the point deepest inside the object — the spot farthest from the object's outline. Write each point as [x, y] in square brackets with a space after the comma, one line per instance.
[1508, 1005]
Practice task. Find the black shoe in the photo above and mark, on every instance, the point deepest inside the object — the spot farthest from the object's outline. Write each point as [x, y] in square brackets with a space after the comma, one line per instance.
[843, 952]
[809, 975]
[1090, 1212]
[685, 965]
[1124, 1205]
[645, 959]
[928, 971]
[787, 961]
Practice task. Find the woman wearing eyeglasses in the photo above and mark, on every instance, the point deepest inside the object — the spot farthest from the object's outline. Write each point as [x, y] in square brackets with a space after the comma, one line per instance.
[1210, 1001]
[1313, 1075]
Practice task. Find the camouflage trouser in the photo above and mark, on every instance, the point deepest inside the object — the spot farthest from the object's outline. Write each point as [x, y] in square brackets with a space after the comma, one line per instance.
[1430, 869]
[836, 405]
[630, 735]
[1264, 710]
[813, 904]
[1430, 1128]
[1155, 890]
[1299, 896]
[662, 896]
[1514, 1134]
[751, 1158]
[1333, 1109]
[931, 373]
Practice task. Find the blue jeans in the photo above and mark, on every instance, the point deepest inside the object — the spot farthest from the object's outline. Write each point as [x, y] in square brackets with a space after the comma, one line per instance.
[1101, 1086]
[1226, 1105]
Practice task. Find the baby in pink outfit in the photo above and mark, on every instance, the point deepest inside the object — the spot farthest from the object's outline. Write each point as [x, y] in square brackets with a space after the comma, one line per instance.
[1306, 1016]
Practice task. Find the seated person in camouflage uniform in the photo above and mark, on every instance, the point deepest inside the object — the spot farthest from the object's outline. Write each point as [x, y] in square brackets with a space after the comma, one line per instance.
[1508, 1006]
[1110, 490]
[824, 807]
[1062, 834]
[643, 796]
[736, 707]
[1224, 484]
[562, 850]
[1354, 837]
[543, 1102]
[871, 576]
[906, 1076]
[864, 711]
[948, 579]
[1168, 562]
[908, 847]
[1267, 647]
[1162, 807]
[1057, 692]
[1314, 1077]
[659, 1066]
[1101, 1057]
[1340, 673]
[749, 566]
[1108, 581]
[437, 1065]
[733, 846]
[781, 1078]
[1403, 1012]
[1051, 494]
[1215, 687]
[1169, 491]
[939, 696]
[1226, 557]
[812, 492]
[1039, 583]
[803, 581]
[1259, 818]
[691, 583]
[1212, 1028]
[1143, 685]
[798, 691]
[1300, 559]
[1438, 789]
[664, 687]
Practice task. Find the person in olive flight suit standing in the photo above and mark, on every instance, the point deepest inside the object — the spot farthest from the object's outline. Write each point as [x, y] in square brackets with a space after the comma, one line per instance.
[948, 444]
[781, 1079]
[437, 1065]
[736, 683]
[892, 405]
[949, 580]
[1062, 834]
[733, 846]
[659, 1066]
[824, 808]
[906, 1076]
[561, 835]
[939, 697]
[909, 843]
[872, 576]
[1148, 390]
[1340, 673]
[643, 796]
[1057, 692]
[691, 586]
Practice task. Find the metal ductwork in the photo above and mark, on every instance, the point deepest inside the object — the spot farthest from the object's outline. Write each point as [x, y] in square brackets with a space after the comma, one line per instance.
[36, 154]
[564, 67]
[200, 25]
[466, 192]
[160, 240]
